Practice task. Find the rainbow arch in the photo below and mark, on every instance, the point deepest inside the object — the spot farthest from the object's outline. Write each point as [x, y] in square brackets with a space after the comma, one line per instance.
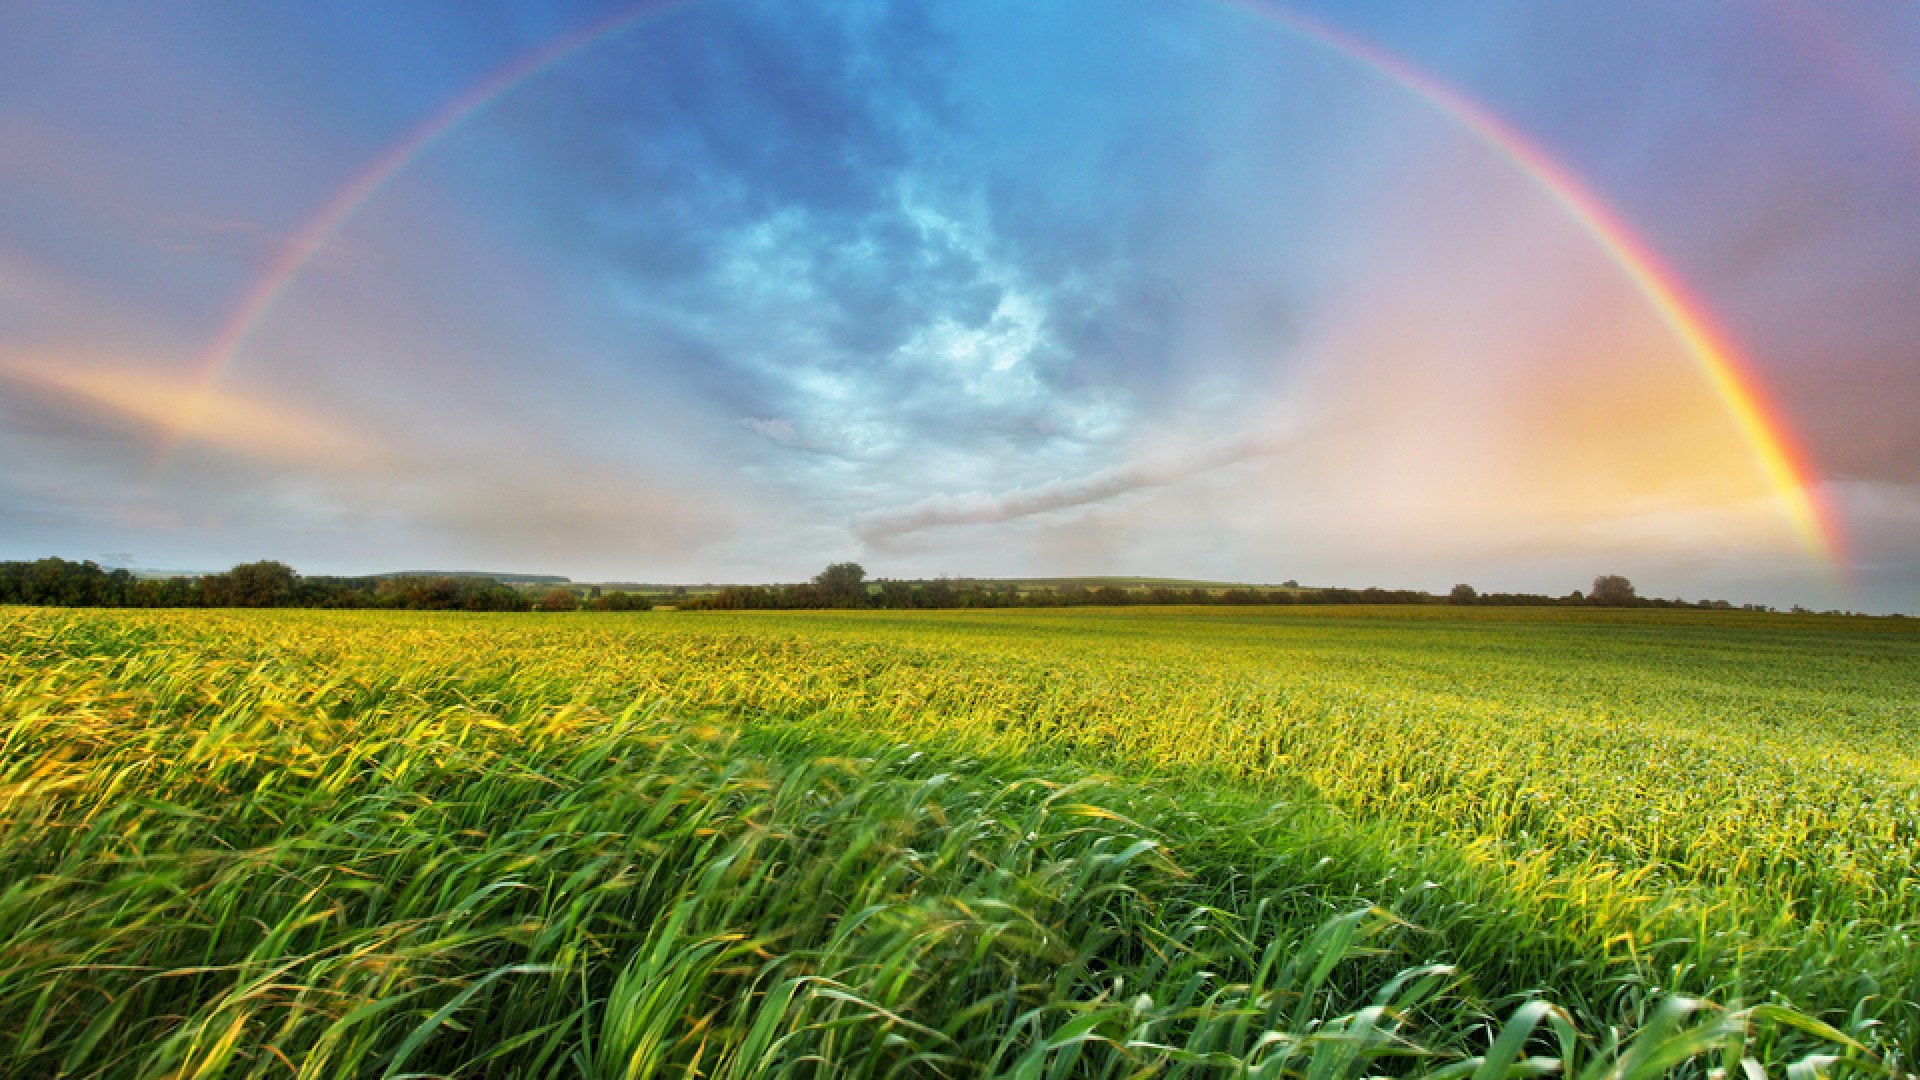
[1776, 453]
[258, 301]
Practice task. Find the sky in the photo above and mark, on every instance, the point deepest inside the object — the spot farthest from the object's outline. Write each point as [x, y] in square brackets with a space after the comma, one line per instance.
[725, 290]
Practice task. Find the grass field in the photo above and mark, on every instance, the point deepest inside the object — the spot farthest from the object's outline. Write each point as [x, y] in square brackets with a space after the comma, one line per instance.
[1297, 841]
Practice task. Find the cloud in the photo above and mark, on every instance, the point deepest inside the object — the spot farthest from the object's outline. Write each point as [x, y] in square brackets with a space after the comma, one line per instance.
[223, 418]
[569, 510]
[982, 508]
[821, 215]
[296, 484]
[774, 429]
[838, 441]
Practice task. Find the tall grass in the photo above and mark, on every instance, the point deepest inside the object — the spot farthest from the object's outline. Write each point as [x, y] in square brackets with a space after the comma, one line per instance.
[299, 844]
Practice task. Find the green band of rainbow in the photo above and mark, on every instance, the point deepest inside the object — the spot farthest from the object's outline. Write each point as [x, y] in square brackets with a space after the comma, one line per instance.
[1776, 453]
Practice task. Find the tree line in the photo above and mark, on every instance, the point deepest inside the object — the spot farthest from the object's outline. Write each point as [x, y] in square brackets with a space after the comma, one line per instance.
[844, 585]
[942, 594]
[59, 582]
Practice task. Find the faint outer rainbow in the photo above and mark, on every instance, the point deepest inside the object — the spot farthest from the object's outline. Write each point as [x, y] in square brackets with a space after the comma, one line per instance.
[1779, 458]
[1776, 454]
[259, 299]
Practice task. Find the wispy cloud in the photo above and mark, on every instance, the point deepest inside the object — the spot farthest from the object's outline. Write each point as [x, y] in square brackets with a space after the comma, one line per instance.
[984, 508]
[226, 419]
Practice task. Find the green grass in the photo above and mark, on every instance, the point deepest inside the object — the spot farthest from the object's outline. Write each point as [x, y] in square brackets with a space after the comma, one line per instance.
[1046, 843]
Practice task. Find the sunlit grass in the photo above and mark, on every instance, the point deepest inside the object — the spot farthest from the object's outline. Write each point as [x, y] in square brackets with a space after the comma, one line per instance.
[1324, 844]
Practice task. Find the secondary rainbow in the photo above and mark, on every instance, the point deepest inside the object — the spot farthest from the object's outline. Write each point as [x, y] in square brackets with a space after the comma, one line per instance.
[1775, 452]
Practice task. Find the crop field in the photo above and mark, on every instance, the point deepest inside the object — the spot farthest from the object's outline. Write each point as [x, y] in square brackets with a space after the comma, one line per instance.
[1042, 843]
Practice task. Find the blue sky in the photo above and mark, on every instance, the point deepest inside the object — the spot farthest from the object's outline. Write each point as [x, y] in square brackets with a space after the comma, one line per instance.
[974, 288]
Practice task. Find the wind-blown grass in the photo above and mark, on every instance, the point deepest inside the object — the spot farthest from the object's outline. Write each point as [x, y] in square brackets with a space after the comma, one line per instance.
[317, 845]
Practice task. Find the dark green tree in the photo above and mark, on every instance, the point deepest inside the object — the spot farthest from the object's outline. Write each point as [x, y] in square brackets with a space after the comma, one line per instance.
[843, 584]
[267, 583]
[559, 600]
[1612, 590]
[619, 601]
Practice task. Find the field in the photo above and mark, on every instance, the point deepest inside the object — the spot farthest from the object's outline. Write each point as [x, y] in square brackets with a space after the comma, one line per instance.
[1294, 841]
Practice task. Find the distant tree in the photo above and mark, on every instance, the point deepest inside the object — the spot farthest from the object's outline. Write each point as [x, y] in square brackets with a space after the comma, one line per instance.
[417, 593]
[266, 583]
[56, 581]
[1612, 590]
[939, 593]
[1463, 594]
[620, 601]
[727, 599]
[1111, 595]
[842, 584]
[558, 600]
[414, 592]
[161, 593]
[733, 598]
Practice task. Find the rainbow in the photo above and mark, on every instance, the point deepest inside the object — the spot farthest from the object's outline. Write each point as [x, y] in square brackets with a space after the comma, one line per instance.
[1784, 465]
[1777, 455]
[260, 297]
